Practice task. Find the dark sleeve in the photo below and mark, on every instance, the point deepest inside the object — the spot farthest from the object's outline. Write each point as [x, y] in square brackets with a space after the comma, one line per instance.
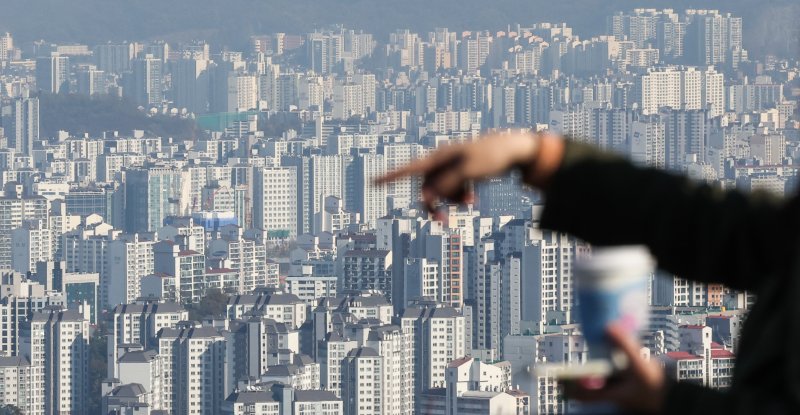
[690, 399]
[693, 230]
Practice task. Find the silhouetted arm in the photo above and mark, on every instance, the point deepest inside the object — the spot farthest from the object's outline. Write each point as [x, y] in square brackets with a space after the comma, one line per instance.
[692, 229]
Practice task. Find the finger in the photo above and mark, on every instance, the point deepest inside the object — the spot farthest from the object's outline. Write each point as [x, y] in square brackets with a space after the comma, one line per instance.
[440, 216]
[462, 196]
[576, 390]
[429, 198]
[449, 184]
[469, 197]
[421, 166]
[466, 194]
[623, 340]
[592, 383]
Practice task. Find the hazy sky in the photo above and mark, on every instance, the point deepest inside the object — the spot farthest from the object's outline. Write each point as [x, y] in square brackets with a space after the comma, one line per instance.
[768, 23]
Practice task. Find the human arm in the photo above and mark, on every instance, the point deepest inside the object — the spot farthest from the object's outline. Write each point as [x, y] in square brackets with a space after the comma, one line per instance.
[692, 229]
[448, 171]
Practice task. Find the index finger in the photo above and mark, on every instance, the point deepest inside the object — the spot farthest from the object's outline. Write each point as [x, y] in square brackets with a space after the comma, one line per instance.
[419, 166]
[412, 169]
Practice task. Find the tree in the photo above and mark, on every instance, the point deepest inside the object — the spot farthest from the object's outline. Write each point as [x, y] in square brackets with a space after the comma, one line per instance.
[10, 410]
[98, 368]
[212, 304]
[80, 114]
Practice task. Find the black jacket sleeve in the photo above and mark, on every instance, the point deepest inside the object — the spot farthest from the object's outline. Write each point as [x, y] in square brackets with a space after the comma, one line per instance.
[692, 229]
[690, 399]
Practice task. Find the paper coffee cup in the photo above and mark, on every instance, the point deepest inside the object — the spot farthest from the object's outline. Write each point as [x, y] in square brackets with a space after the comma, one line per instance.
[611, 287]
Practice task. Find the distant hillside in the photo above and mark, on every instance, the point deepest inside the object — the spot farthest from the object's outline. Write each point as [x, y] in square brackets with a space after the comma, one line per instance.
[768, 24]
[79, 114]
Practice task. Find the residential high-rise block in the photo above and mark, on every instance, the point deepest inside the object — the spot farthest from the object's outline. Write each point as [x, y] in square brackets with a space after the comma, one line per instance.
[20, 121]
[16, 383]
[151, 194]
[713, 38]
[147, 88]
[682, 88]
[92, 82]
[191, 84]
[6, 46]
[194, 370]
[275, 201]
[186, 266]
[369, 197]
[129, 259]
[52, 74]
[114, 58]
[139, 323]
[31, 243]
[439, 334]
[57, 346]
[15, 207]
[375, 379]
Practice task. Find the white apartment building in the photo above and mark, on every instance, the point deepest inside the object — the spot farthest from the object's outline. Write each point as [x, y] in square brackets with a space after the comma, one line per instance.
[350, 99]
[331, 351]
[223, 279]
[194, 370]
[368, 270]
[700, 360]
[14, 208]
[474, 387]
[420, 280]
[326, 179]
[647, 142]
[275, 201]
[248, 257]
[186, 266]
[139, 323]
[316, 402]
[262, 342]
[31, 243]
[333, 217]
[404, 191]
[443, 247]
[682, 88]
[129, 258]
[363, 372]
[60, 223]
[255, 402]
[369, 198]
[281, 307]
[143, 367]
[302, 374]
[445, 122]
[310, 288]
[15, 382]
[439, 334]
[58, 349]
[548, 258]
[282, 401]
[20, 298]
[477, 402]
[85, 247]
[186, 233]
[375, 379]
[6, 46]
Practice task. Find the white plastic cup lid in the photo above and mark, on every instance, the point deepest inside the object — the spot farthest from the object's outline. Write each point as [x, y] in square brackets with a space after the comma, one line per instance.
[612, 265]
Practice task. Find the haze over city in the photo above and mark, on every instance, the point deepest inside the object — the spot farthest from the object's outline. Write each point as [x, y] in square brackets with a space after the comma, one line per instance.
[190, 221]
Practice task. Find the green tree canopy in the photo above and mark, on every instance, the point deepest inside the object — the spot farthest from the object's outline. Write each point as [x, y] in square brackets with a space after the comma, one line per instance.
[212, 304]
